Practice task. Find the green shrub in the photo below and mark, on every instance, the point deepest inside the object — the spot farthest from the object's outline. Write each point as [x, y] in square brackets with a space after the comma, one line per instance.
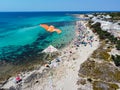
[116, 59]
[89, 79]
[115, 15]
[118, 45]
[105, 35]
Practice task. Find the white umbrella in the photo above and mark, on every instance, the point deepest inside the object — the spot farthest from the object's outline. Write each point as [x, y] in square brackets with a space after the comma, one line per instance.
[50, 49]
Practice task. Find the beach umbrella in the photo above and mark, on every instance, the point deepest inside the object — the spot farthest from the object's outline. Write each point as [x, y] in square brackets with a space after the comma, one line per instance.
[50, 49]
[50, 28]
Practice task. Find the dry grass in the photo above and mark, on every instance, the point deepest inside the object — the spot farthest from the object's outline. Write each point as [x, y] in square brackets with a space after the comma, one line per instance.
[81, 81]
[100, 70]
[102, 52]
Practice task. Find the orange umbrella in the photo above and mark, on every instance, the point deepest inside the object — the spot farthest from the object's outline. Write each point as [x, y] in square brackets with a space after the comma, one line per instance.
[50, 28]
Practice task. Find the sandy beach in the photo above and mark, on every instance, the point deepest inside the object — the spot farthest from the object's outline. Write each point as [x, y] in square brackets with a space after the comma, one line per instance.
[64, 74]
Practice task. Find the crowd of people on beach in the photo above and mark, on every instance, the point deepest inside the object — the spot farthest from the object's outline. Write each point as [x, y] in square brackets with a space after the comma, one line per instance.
[84, 37]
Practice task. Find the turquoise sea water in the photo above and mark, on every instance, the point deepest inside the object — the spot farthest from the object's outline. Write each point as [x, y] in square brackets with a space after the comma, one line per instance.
[22, 37]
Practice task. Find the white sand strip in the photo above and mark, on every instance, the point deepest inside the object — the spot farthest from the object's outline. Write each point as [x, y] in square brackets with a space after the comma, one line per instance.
[65, 76]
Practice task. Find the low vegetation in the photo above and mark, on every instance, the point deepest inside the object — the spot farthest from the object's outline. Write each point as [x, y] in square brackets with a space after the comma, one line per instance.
[102, 52]
[104, 35]
[81, 81]
[116, 60]
[115, 15]
[99, 85]
[103, 71]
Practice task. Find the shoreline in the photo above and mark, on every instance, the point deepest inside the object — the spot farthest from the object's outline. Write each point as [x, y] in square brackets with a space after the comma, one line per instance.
[65, 66]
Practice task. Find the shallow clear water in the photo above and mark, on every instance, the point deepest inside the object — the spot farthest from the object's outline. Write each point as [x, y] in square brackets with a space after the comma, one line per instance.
[20, 33]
